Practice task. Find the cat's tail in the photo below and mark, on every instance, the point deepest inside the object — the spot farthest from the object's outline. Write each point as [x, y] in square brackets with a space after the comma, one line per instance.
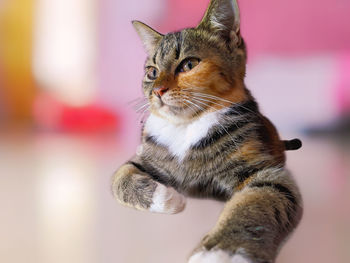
[291, 145]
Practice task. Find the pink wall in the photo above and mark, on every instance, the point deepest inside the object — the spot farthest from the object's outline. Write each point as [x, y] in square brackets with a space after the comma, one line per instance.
[343, 84]
[272, 26]
[296, 26]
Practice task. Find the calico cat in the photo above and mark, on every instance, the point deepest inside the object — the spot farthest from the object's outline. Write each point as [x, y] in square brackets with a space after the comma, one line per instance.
[205, 137]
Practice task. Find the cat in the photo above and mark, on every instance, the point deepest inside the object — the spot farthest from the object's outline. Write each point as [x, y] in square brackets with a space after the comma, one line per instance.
[205, 137]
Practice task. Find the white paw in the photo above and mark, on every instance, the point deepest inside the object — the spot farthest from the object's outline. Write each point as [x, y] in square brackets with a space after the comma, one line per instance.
[239, 259]
[167, 200]
[217, 256]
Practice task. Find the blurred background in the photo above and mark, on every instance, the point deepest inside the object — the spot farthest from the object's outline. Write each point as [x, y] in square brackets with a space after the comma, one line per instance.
[68, 72]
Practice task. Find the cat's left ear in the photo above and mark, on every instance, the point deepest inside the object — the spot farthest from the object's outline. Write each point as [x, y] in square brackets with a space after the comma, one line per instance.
[223, 17]
[148, 35]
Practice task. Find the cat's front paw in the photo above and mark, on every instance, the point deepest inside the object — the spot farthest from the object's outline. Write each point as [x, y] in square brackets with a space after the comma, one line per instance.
[167, 200]
[217, 256]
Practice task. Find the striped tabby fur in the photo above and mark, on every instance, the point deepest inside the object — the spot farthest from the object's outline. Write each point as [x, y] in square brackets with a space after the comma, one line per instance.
[205, 137]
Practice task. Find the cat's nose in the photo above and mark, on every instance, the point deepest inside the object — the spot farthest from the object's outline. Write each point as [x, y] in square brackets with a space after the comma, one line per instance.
[159, 91]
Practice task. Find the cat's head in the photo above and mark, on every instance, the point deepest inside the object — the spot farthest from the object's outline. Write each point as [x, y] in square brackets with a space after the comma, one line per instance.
[195, 70]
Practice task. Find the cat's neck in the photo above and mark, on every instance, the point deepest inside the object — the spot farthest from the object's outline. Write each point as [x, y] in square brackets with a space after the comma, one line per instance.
[180, 137]
[172, 121]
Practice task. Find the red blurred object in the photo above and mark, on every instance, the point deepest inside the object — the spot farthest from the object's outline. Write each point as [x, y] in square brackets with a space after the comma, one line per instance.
[51, 114]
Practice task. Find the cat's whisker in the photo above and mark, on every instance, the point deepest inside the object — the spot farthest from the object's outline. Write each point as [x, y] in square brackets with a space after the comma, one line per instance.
[189, 106]
[211, 96]
[136, 100]
[143, 111]
[194, 104]
[233, 140]
[193, 109]
[204, 104]
[238, 113]
[221, 99]
[136, 103]
[212, 102]
[216, 98]
[143, 114]
[198, 100]
[143, 106]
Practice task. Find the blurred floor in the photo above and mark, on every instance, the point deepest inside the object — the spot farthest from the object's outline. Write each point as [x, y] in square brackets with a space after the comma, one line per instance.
[56, 205]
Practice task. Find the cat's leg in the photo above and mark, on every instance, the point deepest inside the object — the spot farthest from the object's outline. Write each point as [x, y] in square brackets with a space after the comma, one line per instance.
[254, 223]
[135, 188]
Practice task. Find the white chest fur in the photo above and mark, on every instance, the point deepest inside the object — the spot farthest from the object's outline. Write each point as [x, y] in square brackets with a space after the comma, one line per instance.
[179, 138]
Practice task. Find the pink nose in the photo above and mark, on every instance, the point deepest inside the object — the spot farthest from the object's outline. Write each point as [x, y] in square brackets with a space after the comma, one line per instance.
[159, 91]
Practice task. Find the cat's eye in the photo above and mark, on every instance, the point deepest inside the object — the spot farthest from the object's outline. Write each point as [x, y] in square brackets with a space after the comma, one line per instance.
[152, 73]
[188, 64]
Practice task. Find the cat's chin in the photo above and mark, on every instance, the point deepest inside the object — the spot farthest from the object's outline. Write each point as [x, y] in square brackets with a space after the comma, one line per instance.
[173, 109]
[176, 114]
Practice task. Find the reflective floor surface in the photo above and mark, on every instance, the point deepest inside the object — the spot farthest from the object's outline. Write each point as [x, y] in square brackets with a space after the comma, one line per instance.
[56, 205]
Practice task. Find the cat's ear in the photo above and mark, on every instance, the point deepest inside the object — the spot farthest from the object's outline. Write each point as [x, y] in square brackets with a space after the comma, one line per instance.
[149, 36]
[222, 17]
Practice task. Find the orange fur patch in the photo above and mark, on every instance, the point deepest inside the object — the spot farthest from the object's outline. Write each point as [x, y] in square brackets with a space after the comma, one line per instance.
[207, 78]
[250, 150]
[274, 143]
[244, 183]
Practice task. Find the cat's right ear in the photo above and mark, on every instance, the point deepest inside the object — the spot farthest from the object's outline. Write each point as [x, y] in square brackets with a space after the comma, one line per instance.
[222, 17]
[149, 36]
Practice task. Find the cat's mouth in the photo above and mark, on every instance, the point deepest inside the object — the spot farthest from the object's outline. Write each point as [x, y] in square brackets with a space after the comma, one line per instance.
[177, 104]
[169, 102]
[176, 108]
